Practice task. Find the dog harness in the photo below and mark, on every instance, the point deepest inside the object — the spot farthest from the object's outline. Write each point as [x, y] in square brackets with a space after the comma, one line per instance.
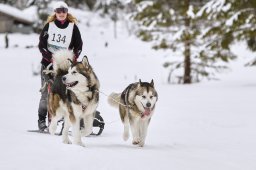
[125, 96]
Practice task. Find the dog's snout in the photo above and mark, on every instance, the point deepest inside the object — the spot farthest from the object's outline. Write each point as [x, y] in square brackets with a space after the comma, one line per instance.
[148, 104]
[64, 78]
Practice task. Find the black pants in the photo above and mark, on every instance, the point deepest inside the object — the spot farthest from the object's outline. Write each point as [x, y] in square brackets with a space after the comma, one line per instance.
[42, 109]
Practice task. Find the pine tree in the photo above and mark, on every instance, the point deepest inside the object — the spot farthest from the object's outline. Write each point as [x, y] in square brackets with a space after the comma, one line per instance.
[90, 4]
[240, 20]
[176, 25]
[115, 10]
[43, 12]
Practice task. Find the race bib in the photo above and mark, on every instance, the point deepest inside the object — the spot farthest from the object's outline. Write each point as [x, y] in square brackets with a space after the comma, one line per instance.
[59, 38]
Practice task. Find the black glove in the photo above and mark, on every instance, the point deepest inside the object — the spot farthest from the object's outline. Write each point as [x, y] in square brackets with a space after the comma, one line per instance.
[47, 59]
[45, 63]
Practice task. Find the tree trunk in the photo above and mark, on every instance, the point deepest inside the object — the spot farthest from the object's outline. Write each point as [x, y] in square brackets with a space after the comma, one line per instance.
[187, 62]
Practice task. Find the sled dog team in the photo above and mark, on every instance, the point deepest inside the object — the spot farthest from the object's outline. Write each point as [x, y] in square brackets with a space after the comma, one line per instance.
[74, 95]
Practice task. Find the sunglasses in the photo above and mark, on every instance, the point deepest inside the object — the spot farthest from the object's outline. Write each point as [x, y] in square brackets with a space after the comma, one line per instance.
[61, 10]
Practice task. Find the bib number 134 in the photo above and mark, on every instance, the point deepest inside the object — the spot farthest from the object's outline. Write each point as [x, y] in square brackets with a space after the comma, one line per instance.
[59, 38]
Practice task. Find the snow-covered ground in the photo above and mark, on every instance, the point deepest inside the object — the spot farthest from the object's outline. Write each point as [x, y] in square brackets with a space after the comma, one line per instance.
[210, 125]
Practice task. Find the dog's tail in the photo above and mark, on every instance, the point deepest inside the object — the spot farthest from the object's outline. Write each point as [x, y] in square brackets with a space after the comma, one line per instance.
[114, 99]
[60, 60]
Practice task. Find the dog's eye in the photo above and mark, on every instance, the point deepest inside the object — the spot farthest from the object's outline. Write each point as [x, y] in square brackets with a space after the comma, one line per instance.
[74, 72]
[151, 97]
[144, 97]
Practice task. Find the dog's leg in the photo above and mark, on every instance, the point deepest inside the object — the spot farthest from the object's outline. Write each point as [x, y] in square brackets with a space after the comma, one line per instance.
[54, 120]
[65, 137]
[135, 131]
[126, 128]
[76, 132]
[143, 132]
[88, 116]
[53, 125]
[88, 123]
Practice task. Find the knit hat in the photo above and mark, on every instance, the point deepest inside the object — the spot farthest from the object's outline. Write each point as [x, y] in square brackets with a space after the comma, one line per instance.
[60, 4]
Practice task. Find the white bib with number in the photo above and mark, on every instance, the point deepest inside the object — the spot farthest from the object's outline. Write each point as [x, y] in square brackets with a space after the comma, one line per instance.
[59, 38]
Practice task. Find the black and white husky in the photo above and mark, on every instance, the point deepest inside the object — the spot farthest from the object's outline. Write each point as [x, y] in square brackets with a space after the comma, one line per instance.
[73, 95]
[136, 107]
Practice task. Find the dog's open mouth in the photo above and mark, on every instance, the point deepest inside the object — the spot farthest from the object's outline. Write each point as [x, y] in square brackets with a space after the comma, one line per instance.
[146, 112]
[71, 84]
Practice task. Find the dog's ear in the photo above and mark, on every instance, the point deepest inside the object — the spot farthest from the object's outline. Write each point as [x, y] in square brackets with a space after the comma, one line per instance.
[152, 83]
[140, 81]
[85, 61]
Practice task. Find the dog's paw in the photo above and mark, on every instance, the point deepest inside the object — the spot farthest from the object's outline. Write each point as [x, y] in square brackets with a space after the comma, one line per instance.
[85, 132]
[80, 143]
[67, 141]
[52, 130]
[126, 136]
[48, 72]
[141, 144]
[135, 141]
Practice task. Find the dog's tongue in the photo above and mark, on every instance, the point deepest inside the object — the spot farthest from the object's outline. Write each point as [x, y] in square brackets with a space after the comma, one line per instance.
[146, 112]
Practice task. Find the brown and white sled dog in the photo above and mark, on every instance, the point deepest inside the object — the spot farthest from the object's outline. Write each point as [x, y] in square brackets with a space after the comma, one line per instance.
[73, 95]
[136, 107]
